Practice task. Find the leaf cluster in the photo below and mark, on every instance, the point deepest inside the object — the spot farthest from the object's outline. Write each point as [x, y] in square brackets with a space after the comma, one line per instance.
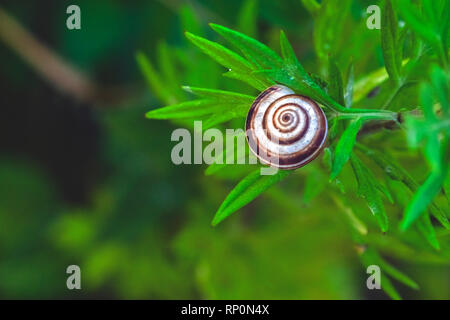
[405, 48]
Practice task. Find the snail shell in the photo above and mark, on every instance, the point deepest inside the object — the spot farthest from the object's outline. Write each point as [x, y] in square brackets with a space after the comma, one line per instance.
[285, 130]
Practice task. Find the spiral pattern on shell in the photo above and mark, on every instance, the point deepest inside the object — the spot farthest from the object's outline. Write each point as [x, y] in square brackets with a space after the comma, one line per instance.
[285, 130]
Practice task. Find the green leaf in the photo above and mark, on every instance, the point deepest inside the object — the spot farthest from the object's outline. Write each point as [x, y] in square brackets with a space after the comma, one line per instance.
[368, 82]
[224, 56]
[344, 147]
[312, 6]
[398, 275]
[336, 127]
[427, 230]
[283, 77]
[350, 80]
[434, 151]
[188, 109]
[390, 168]
[189, 20]
[305, 87]
[247, 190]
[221, 95]
[358, 228]
[370, 257]
[445, 28]
[247, 18]
[428, 25]
[327, 162]
[441, 88]
[239, 68]
[317, 79]
[221, 105]
[223, 117]
[227, 157]
[290, 59]
[426, 98]
[154, 80]
[257, 53]
[418, 21]
[382, 188]
[446, 185]
[390, 270]
[369, 190]
[294, 76]
[168, 71]
[315, 183]
[335, 86]
[328, 27]
[431, 128]
[390, 290]
[390, 42]
[422, 199]
[430, 9]
[440, 215]
[396, 172]
[237, 104]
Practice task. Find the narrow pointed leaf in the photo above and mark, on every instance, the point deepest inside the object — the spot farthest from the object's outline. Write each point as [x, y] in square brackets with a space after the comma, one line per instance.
[238, 66]
[388, 287]
[312, 6]
[441, 88]
[335, 85]
[154, 79]
[390, 270]
[257, 53]
[236, 155]
[417, 21]
[389, 41]
[237, 104]
[368, 189]
[168, 69]
[344, 147]
[329, 27]
[370, 257]
[239, 111]
[290, 59]
[396, 172]
[427, 230]
[397, 274]
[422, 199]
[382, 188]
[248, 18]
[188, 109]
[246, 191]
[220, 95]
[224, 56]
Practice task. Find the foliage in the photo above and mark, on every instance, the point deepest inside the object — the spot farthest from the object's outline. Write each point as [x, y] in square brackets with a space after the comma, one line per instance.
[419, 44]
[93, 185]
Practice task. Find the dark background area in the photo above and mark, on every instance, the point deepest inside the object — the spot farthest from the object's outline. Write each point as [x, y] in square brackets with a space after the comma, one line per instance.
[90, 181]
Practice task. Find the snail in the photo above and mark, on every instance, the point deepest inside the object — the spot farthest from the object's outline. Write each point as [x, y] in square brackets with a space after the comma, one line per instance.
[285, 130]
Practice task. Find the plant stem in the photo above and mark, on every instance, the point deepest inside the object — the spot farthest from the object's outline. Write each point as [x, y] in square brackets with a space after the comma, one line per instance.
[367, 115]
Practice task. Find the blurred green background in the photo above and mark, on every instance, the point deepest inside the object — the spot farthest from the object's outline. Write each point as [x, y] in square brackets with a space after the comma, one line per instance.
[90, 182]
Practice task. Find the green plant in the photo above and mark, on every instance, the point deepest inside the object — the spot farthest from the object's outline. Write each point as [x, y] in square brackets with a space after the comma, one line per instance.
[363, 139]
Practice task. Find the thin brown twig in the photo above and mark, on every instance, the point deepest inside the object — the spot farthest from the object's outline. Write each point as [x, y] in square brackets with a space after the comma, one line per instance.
[50, 66]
